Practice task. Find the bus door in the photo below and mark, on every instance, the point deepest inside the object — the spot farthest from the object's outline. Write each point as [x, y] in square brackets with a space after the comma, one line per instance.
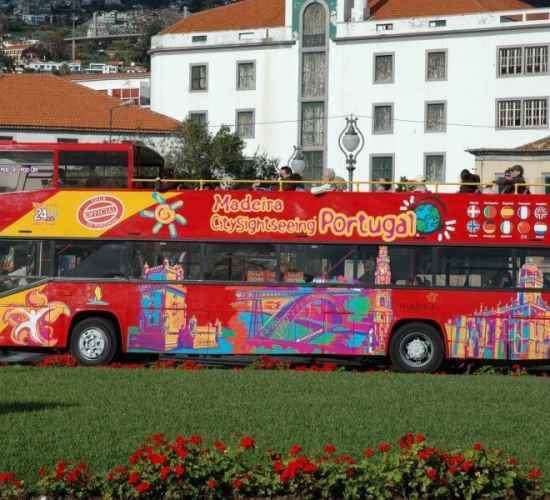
[31, 314]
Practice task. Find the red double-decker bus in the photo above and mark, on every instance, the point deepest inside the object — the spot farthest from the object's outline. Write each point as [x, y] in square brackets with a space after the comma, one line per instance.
[416, 277]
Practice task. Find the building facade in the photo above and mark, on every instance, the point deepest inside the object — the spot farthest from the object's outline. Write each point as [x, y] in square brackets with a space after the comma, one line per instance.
[427, 80]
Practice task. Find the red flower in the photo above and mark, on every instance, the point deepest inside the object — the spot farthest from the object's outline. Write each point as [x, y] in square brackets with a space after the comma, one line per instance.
[179, 470]
[467, 465]
[278, 467]
[369, 453]
[350, 472]
[478, 446]
[535, 474]
[6, 476]
[164, 473]
[295, 449]
[384, 447]
[60, 470]
[219, 446]
[211, 484]
[513, 461]
[133, 478]
[406, 441]
[329, 449]
[143, 487]
[419, 438]
[247, 442]
[158, 459]
[181, 452]
[431, 473]
[42, 471]
[237, 483]
[196, 440]
[452, 470]
[180, 441]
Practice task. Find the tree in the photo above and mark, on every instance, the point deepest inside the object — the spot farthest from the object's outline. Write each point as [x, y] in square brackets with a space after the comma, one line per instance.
[197, 154]
[55, 44]
[6, 63]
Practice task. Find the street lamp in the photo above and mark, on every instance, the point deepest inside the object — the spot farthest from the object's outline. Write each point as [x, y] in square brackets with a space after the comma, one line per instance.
[296, 161]
[124, 104]
[351, 143]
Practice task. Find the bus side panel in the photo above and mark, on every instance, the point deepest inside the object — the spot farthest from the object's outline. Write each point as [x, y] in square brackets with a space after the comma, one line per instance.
[34, 317]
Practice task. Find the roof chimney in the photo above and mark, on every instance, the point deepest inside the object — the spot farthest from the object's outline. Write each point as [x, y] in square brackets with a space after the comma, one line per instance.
[360, 11]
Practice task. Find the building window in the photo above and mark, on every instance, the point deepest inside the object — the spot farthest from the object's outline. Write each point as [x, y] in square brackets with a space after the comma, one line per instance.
[200, 117]
[382, 122]
[381, 167]
[437, 23]
[145, 93]
[246, 75]
[436, 117]
[535, 113]
[434, 167]
[383, 68]
[6, 138]
[66, 140]
[199, 77]
[198, 38]
[313, 121]
[384, 27]
[522, 113]
[509, 114]
[530, 60]
[245, 124]
[436, 65]
[314, 164]
[314, 26]
[313, 74]
[536, 60]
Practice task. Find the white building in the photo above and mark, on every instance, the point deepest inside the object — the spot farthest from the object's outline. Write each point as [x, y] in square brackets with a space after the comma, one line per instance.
[124, 86]
[428, 80]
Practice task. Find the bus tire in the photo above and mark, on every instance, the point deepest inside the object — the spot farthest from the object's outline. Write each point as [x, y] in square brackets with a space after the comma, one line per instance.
[94, 341]
[417, 348]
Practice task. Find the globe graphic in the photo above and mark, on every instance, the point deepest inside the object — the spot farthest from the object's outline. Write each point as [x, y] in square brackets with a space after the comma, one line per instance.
[428, 218]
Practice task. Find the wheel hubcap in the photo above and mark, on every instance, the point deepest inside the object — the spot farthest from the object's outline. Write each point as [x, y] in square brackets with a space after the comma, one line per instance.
[417, 350]
[92, 343]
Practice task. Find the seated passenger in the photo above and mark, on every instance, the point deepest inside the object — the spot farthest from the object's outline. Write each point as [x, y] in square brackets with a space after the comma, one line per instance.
[384, 185]
[331, 183]
[513, 176]
[467, 182]
[286, 174]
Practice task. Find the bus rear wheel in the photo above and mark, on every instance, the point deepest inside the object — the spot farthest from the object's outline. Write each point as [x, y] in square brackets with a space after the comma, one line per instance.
[94, 341]
[417, 347]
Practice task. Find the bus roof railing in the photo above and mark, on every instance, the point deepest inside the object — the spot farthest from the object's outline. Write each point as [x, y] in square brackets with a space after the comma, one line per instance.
[406, 185]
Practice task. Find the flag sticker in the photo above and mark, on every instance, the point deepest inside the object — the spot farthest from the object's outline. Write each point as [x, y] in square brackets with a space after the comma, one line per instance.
[523, 213]
[524, 227]
[490, 212]
[507, 212]
[540, 228]
[541, 213]
[506, 227]
[489, 227]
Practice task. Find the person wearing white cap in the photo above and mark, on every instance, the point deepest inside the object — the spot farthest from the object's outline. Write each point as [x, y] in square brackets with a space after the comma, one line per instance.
[332, 183]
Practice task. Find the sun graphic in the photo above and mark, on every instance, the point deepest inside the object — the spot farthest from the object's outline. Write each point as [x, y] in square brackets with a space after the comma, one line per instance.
[429, 217]
[165, 215]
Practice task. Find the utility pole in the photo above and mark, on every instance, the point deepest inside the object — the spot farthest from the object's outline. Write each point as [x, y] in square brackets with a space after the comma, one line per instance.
[74, 32]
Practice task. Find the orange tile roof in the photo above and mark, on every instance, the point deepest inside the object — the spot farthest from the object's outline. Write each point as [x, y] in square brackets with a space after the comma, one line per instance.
[246, 14]
[392, 9]
[249, 14]
[540, 145]
[50, 102]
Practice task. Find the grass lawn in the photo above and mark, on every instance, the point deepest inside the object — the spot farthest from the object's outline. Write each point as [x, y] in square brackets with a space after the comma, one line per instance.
[101, 415]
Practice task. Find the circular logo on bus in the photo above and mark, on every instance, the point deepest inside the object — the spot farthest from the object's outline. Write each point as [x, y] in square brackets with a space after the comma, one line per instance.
[100, 212]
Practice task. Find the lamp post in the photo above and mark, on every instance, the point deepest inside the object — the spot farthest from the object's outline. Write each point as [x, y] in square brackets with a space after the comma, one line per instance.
[123, 105]
[351, 143]
[296, 161]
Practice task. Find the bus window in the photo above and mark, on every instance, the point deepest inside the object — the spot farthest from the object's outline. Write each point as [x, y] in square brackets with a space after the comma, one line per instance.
[25, 170]
[533, 268]
[366, 265]
[411, 266]
[318, 263]
[93, 169]
[241, 262]
[90, 259]
[20, 263]
[475, 267]
[182, 260]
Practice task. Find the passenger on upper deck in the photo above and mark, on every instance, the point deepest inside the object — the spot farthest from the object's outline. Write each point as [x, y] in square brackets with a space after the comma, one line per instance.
[384, 185]
[286, 174]
[513, 176]
[331, 183]
[469, 181]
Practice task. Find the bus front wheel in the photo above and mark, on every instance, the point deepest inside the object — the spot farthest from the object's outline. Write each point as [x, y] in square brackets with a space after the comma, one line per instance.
[417, 347]
[94, 341]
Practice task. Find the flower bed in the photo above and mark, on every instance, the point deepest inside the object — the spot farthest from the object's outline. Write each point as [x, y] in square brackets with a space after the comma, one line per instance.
[187, 468]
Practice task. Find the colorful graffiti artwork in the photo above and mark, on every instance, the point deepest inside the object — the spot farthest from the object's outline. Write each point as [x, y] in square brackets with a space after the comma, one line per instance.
[517, 330]
[276, 319]
[32, 324]
[165, 215]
